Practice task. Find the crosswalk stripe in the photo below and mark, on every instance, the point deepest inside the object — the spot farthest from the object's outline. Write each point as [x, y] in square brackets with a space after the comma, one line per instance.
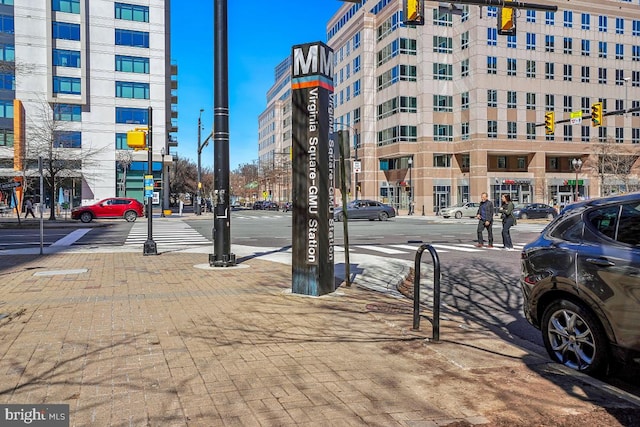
[381, 249]
[456, 248]
[174, 233]
[412, 248]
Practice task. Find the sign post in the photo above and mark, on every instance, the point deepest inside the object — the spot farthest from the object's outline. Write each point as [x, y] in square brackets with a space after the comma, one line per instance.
[313, 169]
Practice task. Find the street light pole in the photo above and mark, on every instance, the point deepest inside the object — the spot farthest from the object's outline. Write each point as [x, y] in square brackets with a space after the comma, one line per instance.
[410, 186]
[198, 190]
[577, 165]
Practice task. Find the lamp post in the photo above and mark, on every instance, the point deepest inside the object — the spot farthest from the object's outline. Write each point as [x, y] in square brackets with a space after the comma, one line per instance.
[626, 92]
[410, 161]
[199, 185]
[577, 165]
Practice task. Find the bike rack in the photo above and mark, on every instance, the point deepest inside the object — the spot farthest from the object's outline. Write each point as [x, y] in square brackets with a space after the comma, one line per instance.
[436, 290]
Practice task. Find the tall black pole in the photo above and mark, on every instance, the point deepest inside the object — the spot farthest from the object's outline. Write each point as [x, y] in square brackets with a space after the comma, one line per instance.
[198, 190]
[150, 247]
[222, 256]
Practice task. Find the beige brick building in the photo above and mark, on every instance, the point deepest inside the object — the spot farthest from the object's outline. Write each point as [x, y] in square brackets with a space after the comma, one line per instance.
[467, 105]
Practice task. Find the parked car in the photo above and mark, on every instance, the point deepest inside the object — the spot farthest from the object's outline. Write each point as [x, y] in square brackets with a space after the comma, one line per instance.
[258, 205]
[581, 283]
[365, 209]
[114, 207]
[270, 206]
[534, 210]
[460, 210]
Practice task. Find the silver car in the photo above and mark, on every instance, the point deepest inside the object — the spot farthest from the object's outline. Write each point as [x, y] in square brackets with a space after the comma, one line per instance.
[469, 209]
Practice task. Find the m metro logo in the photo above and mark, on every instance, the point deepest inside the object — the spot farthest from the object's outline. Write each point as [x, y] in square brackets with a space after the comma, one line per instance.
[312, 66]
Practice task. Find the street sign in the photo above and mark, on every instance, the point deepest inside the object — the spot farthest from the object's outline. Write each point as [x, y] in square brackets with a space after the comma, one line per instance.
[576, 117]
[357, 166]
[9, 185]
[148, 186]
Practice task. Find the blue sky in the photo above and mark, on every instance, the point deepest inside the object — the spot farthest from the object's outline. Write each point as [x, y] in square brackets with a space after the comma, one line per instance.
[261, 34]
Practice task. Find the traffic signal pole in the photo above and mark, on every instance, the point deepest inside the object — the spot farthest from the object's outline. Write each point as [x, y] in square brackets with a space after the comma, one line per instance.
[222, 256]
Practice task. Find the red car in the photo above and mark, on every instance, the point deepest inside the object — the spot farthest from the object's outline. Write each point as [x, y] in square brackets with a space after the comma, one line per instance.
[114, 207]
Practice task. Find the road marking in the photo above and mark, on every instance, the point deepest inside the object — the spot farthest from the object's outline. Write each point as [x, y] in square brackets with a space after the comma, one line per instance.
[381, 249]
[456, 248]
[412, 248]
[71, 238]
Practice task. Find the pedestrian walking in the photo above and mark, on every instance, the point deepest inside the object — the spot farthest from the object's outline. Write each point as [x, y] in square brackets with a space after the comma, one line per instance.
[28, 208]
[485, 220]
[508, 221]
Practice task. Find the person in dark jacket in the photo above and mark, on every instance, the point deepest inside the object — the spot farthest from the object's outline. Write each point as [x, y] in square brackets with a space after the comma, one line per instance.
[485, 220]
[508, 221]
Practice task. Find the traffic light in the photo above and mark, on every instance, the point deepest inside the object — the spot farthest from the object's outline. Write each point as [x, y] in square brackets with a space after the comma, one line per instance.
[413, 11]
[506, 21]
[549, 123]
[596, 114]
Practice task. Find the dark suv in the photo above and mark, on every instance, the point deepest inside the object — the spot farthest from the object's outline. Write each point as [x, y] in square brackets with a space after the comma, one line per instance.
[581, 283]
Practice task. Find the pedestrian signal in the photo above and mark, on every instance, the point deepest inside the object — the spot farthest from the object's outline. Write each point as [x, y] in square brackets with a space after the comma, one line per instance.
[596, 114]
[137, 139]
[413, 12]
[549, 123]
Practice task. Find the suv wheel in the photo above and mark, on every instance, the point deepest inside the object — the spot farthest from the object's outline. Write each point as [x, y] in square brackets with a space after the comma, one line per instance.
[573, 337]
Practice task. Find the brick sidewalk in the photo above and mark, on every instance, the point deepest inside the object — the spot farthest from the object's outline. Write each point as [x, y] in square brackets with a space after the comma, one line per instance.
[154, 341]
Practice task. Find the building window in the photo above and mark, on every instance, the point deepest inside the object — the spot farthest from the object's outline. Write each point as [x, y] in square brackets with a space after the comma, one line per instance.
[531, 101]
[7, 52]
[549, 70]
[568, 19]
[586, 105]
[125, 115]
[522, 162]
[512, 42]
[397, 134]
[635, 53]
[602, 24]
[356, 88]
[442, 71]
[619, 77]
[531, 41]
[67, 112]
[549, 43]
[586, 48]
[531, 130]
[464, 68]
[602, 76]
[69, 6]
[121, 142]
[550, 18]
[442, 18]
[585, 74]
[492, 65]
[443, 103]
[549, 102]
[464, 100]
[7, 81]
[568, 133]
[464, 131]
[67, 85]
[568, 46]
[132, 38]
[66, 31]
[512, 99]
[585, 134]
[512, 130]
[568, 103]
[132, 12]
[132, 90]
[531, 15]
[619, 135]
[492, 98]
[635, 135]
[586, 21]
[531, 68]
[602, 49]
[66, 58]
[492, 129]
[6, 138]
[442, 133]
[132, 64]
[442, 44]
[568, 72]
[635, 28]
[502, 162]
[67, 139]
[442, 160]
[464, 40]
[6, 109]
[619, 51]
[511, 66]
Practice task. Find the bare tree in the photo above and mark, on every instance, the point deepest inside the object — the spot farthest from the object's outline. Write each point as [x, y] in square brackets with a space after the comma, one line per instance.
[53, 140]
[184, 177]
[124, 158]
[613, 163]
[244, 180]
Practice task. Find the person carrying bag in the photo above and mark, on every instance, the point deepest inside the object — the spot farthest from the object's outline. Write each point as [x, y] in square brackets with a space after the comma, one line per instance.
[508, 221]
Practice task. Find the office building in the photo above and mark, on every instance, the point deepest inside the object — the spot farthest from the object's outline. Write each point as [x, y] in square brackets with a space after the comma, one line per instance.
[444, 111]
[77, 75]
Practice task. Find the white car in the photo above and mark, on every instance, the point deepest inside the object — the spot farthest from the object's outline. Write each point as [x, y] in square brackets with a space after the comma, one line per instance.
[469, 209]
